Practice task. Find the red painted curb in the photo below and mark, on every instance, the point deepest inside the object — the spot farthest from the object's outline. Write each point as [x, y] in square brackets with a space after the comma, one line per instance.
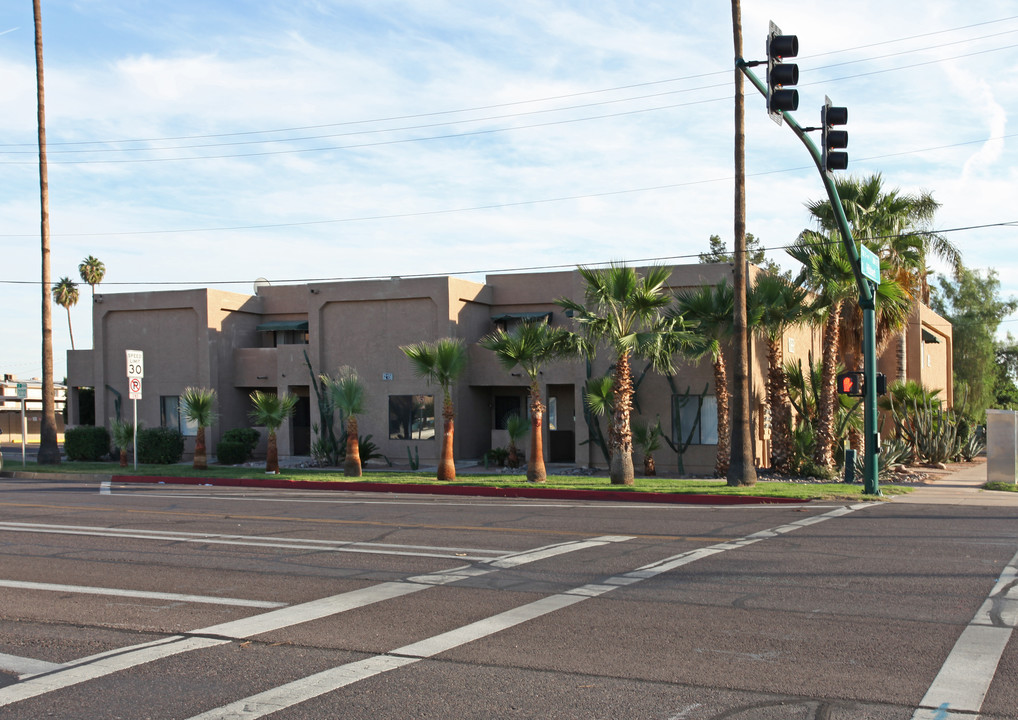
[535, 493]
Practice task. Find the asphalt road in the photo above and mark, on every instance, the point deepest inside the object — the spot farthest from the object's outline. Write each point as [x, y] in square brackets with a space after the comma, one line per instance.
[198, 602]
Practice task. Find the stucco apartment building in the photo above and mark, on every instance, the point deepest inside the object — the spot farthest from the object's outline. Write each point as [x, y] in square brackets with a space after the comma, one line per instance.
[237, 343]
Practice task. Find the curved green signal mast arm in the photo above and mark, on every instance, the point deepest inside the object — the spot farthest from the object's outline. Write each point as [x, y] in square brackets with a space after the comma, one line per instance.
[865, 288]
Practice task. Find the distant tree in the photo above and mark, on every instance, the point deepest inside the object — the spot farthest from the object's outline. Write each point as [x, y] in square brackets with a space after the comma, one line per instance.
[65, 294]
[973, 305]
[198, 405]
[1006, 386]
[755, 253]
[92, 271]
[442, 362]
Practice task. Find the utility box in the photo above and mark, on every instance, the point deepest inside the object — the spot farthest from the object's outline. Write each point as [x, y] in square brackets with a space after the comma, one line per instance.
[1002, 446]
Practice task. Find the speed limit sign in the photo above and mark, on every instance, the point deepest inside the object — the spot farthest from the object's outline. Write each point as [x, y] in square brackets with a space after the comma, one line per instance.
[135, 364]
[134, 388]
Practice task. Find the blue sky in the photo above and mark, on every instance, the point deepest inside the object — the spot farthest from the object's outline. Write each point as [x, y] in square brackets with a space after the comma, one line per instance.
[212, 143]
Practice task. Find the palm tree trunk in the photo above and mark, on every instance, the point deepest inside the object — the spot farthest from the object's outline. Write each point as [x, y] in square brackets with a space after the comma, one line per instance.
[272, 454]
[536, 471]
[70, 330]
[902, 373]
[823, 453]
[724, 418]
[352, 463]
[447, 463]
[781, 410]
[49, 452]
[201, 461]
[620, 435]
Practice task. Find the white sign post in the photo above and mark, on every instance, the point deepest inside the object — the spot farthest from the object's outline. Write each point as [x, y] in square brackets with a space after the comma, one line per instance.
[135, 372]
[23, 397]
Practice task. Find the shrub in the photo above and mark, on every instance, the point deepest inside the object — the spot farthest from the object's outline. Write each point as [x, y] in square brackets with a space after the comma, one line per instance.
[160, 446]
[231, 452]
[87, 443]
[247, 438]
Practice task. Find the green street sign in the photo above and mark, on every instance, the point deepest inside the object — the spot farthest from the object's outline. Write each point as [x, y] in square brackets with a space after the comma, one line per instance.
[869, 264]
[22, 390]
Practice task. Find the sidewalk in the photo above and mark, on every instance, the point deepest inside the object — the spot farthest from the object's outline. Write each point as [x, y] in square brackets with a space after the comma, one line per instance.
[961, 484]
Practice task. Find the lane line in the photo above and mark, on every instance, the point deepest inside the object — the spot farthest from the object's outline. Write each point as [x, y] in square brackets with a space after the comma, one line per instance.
[25, 667]
[97, 666]
[258, 541]
[966, 675]
[308, 688]
[145, 594]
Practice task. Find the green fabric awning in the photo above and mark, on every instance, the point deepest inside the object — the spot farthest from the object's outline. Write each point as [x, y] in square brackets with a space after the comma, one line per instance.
[283, 325]
[522, 316]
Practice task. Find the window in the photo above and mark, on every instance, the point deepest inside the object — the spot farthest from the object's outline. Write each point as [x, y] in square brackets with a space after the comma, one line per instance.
[506, 405]
[411, 417]
[698, 414]
[171, 415]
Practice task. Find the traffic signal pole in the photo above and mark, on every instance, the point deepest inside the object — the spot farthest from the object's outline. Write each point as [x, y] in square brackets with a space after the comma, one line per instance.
[871, 467]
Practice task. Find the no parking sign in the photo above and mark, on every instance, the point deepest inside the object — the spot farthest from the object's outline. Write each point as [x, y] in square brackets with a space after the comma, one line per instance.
[134, 388]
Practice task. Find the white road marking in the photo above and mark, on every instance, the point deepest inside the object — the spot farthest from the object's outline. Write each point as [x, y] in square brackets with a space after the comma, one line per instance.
[146, 594]
[104, 488]
[965, 677]
[25, 667]
[476, 554]
[284, 696]
[122, 659]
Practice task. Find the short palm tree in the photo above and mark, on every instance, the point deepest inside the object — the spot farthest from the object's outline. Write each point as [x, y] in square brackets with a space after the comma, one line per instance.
[198, 404]
[624, 311]
[92, 271]
[530, 345]
[271, 410]
[647, 439]
[442, 362]
[65, 294]
[348, 395]
[516, 427]
[122, 433]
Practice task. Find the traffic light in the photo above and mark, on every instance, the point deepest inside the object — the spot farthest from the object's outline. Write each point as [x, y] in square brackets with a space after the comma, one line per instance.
[852, 383]
[780, 76]
[881, 384]
[834, 141]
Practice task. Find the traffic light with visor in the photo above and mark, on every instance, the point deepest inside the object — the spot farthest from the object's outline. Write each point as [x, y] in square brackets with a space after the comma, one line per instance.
[781, 97]
[833, 141]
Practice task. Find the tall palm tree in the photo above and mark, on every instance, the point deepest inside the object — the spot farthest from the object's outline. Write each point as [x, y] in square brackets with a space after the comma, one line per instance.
[348, 395]
[624, 311]
[442, 362]
[896, 226]
[710, 309]
[271, 410]
[65, 294]
[827, 272]
[198, 404]
[530, 345]
[92, 271]
[49, 452]
[778, 305]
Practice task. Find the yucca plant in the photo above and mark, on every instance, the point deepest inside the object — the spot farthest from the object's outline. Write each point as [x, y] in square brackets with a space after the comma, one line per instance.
[198, 404]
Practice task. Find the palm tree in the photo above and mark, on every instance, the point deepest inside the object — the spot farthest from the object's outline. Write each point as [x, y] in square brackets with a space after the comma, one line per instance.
[710, 309]
[198, 403]
[624, 311]
[65, 294]
[517, 428]
[442, 362]
[92, 271]
[122, 433]
[896, 227]
[647, 439]
[530, 345]
[778, 305]
[348, 395]
[271, 410]
[49, 451]
[827, 272]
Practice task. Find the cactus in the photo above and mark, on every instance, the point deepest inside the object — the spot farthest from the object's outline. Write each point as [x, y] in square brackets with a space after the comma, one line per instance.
[415, 459]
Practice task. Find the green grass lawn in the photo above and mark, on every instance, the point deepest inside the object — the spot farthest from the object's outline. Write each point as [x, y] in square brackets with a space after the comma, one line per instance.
[1001, 486]
[800, 491]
